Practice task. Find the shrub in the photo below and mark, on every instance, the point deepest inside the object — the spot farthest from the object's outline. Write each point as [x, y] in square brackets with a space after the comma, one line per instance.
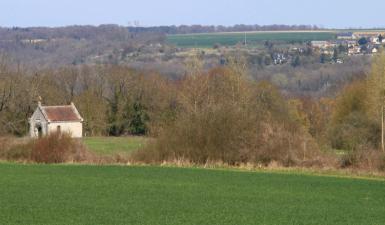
[352, 126]
[364, 159]
[53, 148]
[354, 131]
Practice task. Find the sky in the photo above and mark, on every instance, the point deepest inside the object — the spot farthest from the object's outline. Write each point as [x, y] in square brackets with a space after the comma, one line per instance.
[325, 13]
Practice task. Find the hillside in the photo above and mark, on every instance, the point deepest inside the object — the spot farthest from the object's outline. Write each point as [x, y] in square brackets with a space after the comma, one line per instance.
[53, 47]
[208, 40]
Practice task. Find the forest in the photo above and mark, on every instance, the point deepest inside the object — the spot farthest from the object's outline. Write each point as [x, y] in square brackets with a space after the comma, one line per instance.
[278, 102]
[221, 114]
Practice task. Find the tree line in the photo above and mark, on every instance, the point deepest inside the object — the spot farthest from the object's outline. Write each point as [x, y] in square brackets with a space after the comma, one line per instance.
[219, 114]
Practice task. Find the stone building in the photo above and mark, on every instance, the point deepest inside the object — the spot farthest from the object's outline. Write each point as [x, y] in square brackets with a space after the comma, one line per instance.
[48, 119]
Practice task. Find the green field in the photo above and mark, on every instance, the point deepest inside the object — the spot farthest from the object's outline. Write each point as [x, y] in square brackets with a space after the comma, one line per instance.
[114, 145]
[210, 39]
[69, 194]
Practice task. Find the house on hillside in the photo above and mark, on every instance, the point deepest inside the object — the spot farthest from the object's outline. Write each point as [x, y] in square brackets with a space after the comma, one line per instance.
[346, 36]
[323, 44]
[320, 44]
[354, 50]
[49, 119]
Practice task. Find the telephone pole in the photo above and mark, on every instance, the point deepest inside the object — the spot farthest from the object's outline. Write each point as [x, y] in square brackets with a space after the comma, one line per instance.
[245, 41]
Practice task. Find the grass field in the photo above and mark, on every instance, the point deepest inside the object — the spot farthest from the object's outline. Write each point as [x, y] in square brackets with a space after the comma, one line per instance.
[68, 194]
[114, 145]
[210, 39]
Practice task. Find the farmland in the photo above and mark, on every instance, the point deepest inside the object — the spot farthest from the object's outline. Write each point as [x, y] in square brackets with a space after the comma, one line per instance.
[114, 145]
[208, 40]
[68, 194]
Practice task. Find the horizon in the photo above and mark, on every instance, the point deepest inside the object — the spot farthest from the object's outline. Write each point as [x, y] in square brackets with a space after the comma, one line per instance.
[148, 13]
[178, 25]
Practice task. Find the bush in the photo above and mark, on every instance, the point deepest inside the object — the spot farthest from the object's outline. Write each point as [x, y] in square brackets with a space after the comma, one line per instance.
[352, 127]
[364, 159]
[54, 148]
[354, 131]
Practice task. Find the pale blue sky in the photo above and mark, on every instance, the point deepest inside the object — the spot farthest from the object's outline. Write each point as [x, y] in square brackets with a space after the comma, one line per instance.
[328, 13]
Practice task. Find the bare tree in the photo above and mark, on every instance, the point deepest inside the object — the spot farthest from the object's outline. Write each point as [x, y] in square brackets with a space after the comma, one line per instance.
[376, 90]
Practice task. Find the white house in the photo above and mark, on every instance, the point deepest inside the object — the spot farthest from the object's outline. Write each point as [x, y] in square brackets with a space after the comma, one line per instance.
[320, 44]
[346, 36]
[48, 119]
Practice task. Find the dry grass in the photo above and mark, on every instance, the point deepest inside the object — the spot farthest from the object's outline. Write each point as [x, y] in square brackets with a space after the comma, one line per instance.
[364, 159]
[54, 149]
[15, 149]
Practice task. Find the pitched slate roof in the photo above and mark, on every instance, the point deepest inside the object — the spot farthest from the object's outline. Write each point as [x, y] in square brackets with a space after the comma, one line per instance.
[66, 113]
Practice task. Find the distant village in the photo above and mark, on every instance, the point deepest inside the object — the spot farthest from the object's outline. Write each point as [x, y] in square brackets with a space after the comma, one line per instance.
[334, 51]
[355, 43]
[143, 49]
